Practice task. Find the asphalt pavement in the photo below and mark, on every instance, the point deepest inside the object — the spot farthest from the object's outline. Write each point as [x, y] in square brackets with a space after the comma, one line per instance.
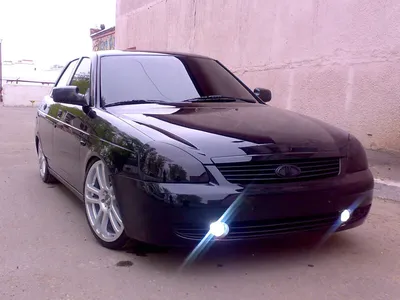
[48, 252]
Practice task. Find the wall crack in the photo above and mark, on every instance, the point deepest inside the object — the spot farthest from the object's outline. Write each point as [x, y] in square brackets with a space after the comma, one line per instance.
[342, 57]
[193, 36]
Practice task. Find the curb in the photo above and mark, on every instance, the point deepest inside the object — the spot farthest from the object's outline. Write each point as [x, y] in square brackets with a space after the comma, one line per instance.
[387, 189]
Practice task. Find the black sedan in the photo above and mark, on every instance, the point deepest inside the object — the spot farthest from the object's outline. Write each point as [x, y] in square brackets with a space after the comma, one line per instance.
[171, 148]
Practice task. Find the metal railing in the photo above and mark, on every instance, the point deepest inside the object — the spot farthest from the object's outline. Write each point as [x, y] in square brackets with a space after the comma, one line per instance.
[16, 81]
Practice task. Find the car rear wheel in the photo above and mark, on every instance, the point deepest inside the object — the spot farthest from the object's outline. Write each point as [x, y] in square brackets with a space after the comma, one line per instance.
[102, 210]
[44, 167]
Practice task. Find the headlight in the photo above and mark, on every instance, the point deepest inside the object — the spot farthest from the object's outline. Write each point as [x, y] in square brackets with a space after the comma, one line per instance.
[160, 162]
[356, 156]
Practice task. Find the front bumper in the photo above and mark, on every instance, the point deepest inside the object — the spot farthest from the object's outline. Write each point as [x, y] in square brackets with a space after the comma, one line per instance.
[180, 214]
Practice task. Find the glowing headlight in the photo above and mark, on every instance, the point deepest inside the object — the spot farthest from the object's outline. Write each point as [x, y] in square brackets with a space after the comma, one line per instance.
[219, 229]
[345, 215]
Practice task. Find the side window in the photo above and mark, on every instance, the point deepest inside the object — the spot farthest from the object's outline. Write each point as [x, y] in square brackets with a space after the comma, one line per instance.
[63, 81]
[81, 78]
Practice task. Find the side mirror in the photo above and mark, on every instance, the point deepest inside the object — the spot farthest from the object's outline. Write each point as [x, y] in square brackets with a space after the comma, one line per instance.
[69, 95]
[264, 94]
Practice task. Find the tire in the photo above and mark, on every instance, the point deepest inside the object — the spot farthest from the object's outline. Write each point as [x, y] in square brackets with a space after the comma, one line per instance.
[101, 207]
[44, 167]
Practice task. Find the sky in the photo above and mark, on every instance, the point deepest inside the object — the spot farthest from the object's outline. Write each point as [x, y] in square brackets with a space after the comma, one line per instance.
[51, 31]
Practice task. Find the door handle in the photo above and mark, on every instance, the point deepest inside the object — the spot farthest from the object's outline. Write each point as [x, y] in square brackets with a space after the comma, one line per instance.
[82, 142]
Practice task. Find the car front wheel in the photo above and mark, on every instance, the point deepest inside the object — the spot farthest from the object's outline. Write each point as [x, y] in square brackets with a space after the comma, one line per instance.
[102, 210]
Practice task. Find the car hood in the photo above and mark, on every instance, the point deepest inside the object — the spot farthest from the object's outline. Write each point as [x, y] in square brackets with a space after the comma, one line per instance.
[217, 131]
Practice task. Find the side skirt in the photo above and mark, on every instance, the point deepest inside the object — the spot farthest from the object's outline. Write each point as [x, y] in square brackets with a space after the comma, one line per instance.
[64, 182]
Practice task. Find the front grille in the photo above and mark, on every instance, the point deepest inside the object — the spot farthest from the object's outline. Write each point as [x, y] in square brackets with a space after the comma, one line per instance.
[264, 228]
[265, 171]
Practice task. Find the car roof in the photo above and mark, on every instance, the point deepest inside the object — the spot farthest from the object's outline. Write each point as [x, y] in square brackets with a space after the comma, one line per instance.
[147, 53]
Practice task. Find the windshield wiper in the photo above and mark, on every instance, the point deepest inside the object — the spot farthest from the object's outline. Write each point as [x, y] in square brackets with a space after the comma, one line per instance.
[211, 98]
[218, 98]
[132, 102]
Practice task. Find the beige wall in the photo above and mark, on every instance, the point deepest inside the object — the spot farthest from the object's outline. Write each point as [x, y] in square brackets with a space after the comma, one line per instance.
[23, 94]
[335, 60]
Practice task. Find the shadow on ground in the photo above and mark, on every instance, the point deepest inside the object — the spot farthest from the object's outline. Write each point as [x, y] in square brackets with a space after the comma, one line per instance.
[271, 253]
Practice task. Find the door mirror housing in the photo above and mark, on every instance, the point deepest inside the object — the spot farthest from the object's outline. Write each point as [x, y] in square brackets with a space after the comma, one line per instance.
[264, 94]
[69, 95]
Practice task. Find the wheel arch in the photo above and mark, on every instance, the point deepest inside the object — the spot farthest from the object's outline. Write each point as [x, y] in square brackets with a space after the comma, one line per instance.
[112, 158]
[91, 159]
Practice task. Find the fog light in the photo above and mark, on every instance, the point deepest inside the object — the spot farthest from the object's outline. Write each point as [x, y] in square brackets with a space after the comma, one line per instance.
[219, 229]
[345, 215]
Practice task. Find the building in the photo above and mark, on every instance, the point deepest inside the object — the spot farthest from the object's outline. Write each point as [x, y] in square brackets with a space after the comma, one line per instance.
[103, 39]
[338, 61]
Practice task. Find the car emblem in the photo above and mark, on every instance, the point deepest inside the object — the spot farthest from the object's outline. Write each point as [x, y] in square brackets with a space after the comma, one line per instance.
[287, 171]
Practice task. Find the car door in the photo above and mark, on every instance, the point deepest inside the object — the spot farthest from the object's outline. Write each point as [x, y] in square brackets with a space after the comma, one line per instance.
[48, 111]
[69, 135]
[45, 128]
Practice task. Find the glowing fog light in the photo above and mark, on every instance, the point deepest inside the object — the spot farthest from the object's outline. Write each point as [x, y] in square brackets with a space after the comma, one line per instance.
[345, 215]
[219, 229]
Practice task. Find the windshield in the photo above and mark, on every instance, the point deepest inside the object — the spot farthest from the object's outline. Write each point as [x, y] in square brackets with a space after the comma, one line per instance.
[165, 78]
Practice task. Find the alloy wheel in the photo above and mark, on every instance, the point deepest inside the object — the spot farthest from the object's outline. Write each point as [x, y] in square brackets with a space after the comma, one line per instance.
[42, 161]
[101, 206]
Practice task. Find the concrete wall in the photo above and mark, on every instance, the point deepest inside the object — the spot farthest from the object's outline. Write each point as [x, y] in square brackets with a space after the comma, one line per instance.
[21, 95]
[335, 60]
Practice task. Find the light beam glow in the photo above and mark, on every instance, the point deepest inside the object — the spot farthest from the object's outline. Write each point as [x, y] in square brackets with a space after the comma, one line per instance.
[340, 221]
[345, 215]
[208, 239]
[219, 229]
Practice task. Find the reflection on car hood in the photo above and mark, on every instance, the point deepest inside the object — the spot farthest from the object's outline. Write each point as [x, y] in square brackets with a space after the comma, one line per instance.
[221, 130]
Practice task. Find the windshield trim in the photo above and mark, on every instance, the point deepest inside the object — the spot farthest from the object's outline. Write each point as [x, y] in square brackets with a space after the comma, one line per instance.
[242, 83]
